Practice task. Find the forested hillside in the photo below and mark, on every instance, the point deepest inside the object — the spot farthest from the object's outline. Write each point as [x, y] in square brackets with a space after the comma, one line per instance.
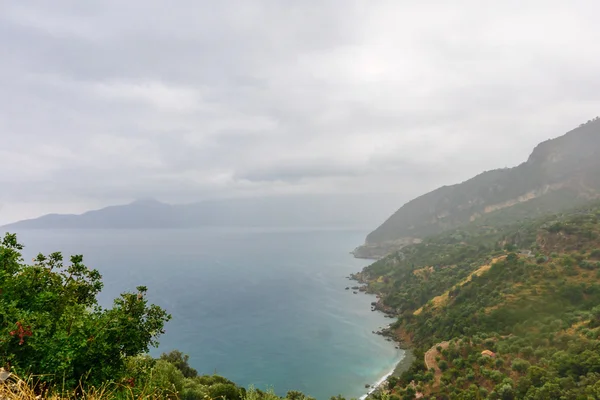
[500, 313]
[559, 174]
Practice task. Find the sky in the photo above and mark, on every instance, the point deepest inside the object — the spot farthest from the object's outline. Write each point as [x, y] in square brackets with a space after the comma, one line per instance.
[104, 102]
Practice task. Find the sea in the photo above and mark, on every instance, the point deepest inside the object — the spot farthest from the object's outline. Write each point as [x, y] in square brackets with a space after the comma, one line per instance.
[266, 307]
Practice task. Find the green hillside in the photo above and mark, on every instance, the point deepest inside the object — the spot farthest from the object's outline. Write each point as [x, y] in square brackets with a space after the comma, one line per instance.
[528, 292]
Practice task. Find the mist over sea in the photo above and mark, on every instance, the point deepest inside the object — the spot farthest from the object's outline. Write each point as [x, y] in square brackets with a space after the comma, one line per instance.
[259, 306]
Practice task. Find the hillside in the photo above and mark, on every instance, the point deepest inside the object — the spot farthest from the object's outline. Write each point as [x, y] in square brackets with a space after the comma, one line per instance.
[500, 313]
[559, 173]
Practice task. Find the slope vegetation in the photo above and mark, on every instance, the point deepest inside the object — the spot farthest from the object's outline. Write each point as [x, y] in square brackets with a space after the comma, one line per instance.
[518, 311]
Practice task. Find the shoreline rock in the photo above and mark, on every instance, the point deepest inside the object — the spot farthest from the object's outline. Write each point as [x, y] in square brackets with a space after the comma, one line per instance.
[391, 335]
[388, 333]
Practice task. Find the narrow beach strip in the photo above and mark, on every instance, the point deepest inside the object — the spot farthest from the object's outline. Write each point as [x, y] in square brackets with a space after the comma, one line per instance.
[377, 384]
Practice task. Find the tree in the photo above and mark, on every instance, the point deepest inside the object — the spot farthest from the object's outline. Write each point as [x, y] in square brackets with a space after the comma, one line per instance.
[180, 360]
[505, 391]
[520, 365]
[51, 324]
[443, 365]
[595, 317]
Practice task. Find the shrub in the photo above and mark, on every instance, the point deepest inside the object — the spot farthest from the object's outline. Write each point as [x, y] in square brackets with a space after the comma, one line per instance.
[166, 379]
[483, 392]
[505, 391]
[443, 365]
[520, 365]
[587, 265]
[53, 326]
[541, 260]
[180, 360]
[226, 391]
[567, 261]
[192, 390]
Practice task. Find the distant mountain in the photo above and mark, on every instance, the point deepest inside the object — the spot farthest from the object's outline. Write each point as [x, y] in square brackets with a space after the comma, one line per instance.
[306, 210]
[560, 173]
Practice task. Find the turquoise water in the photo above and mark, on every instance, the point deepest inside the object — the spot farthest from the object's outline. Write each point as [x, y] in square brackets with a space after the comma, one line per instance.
[261, 307]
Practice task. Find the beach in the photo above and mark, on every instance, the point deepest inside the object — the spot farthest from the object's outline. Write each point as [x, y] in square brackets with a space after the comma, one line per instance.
[403, 365]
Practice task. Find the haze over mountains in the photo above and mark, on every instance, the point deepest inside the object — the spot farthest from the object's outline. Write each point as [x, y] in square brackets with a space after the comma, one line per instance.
[361, 211]
[560, 173]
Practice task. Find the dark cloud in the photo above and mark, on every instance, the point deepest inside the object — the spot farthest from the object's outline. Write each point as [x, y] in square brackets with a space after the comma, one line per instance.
[109, 101]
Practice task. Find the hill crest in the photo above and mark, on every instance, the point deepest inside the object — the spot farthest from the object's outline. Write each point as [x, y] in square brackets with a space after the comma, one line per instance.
[560, 173]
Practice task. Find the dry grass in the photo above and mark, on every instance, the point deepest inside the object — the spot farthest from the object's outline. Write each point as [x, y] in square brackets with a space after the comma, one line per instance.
[573, 330]
[534, 291]
[423, 272]
[14, 388]
[441, 300]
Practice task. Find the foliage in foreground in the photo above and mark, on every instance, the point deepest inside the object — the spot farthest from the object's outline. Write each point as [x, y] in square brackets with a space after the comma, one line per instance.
[53, 330]
[51, 324]
[163, 386]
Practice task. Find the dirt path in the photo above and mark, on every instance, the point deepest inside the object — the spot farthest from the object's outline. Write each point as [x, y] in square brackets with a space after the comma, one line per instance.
[431, 363]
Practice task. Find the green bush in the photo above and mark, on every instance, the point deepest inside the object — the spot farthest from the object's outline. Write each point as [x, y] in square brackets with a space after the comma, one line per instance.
[520, 365]
[166, 379]
[443, 365]
[181, 361]
[226, 391]
[541, 260]
[192, 390]
[51, 324]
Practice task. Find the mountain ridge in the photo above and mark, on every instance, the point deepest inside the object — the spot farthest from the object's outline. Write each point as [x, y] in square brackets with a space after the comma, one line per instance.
[569, 164]
[338, 210]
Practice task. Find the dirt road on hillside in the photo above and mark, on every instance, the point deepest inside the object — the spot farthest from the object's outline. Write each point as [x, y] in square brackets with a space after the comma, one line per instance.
[430, 361]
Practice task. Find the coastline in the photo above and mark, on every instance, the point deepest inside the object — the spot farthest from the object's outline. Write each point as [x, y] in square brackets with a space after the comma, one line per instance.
[377, 385]
[402, 365]
[408, 358]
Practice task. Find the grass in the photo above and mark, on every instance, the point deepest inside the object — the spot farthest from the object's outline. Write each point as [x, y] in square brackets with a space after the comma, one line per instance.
[14, 388]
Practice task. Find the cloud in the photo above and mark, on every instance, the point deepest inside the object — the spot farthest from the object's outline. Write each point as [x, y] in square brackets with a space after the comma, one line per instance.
[153, 93]
[106, 102]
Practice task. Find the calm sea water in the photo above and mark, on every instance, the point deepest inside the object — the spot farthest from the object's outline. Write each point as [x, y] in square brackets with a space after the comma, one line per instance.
[259, 306]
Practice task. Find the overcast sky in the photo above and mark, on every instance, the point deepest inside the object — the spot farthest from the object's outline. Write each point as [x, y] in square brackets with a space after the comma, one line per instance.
[102, 102]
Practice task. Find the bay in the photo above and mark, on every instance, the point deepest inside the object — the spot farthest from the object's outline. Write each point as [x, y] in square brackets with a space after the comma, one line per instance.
[262, 307]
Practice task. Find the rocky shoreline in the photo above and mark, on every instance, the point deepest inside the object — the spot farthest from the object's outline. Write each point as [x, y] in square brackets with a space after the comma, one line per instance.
[388, 332]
